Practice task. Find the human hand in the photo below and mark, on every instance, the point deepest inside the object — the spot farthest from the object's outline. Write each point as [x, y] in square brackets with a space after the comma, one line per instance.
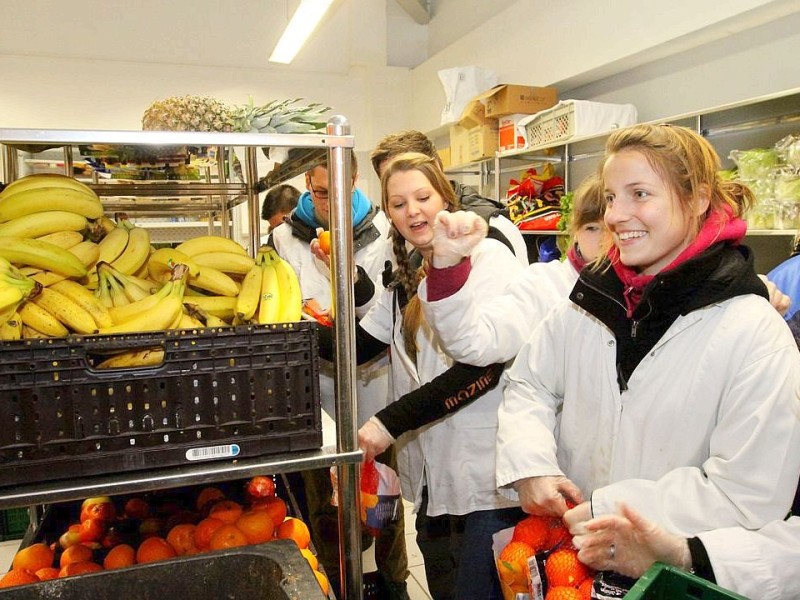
[547, 496]
[455, 235]
[576, 517]
[373, 438]
[779, 301]
[629, 544]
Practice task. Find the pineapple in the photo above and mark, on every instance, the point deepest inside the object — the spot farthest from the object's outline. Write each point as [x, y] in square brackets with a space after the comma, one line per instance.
[200, 113]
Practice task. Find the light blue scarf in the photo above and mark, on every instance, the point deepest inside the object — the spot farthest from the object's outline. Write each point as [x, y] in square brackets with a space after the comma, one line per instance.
[305, 209]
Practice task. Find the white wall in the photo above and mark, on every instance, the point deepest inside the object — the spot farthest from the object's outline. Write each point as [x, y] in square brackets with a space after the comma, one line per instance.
[573, 44]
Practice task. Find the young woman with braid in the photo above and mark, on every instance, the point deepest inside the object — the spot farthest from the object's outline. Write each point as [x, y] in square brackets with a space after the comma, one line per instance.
[444, 417]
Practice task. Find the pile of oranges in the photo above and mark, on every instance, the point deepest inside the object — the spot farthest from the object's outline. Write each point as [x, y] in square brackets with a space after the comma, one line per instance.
[105, 538]
[567, 578]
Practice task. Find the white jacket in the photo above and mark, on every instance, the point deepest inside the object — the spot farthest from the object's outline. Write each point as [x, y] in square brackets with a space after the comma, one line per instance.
[482, 333]
[763, 564]
[454, 456]
[372, 378]
[718, 446]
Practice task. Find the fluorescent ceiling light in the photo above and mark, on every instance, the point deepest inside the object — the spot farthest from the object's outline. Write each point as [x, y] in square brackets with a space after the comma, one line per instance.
[302, 24]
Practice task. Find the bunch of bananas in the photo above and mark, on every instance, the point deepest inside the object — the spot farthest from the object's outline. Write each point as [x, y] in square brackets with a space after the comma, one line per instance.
[270, 291]
[15, 288]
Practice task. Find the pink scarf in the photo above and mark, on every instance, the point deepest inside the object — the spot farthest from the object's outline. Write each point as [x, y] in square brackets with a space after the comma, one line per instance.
[719, 226]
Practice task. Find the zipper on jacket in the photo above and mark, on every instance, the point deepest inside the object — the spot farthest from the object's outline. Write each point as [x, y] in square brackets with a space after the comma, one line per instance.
[634, 327]
[603, 293]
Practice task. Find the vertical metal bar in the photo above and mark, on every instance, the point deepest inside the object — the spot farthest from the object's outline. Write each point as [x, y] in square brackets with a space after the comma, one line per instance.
[10, 165]
[68, 161]
[341, 223]
[253, 210]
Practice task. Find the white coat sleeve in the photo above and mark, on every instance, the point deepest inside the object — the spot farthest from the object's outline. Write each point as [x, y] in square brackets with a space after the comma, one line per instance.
[762, 564]
[750, 475]
[480, 330]
[527, 417]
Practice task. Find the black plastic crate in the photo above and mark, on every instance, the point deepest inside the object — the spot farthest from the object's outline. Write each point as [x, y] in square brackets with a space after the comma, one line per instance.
[272, 571]
[220, 393]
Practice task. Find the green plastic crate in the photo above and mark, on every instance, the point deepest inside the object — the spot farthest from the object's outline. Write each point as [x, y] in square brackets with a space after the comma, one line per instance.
[14, 523]
[662, 582]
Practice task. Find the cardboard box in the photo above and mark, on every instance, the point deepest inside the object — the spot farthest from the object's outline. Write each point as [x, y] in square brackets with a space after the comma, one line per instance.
[482, 142]
[510, 134]
[445, 157]
[459, 145]
[509, 99]
[474, 114]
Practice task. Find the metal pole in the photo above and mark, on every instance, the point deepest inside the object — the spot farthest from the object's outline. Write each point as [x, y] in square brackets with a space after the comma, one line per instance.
[253, 209]
[341, 224]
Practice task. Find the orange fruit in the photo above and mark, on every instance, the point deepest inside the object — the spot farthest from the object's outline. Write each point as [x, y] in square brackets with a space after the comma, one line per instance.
[120, 556]
[559, 534]
[228, 536]
[585, 588]
[260, 486]
[256, 525]
[226, 510]
[562, 568]
[136, 508]
[181, 538]
[275, 506]
[79, 568]
[512, 564]
[153, 549]
[17, 577]
[294, 529]
[33, 558]
[208, 494]
[534, 531]
[47, 573]
[325, 241]
[309, 556]
[204, 530]
[76, 553]
[323, 582]
[563, 592]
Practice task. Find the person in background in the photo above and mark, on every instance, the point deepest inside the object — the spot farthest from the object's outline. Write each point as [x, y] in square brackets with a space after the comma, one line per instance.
[372, 249]
[713, 447]
[279, 202]
[492, 211]
[444, 414]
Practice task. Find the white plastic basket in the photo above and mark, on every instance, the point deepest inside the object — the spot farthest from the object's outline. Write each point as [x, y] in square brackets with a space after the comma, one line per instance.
[571, 118]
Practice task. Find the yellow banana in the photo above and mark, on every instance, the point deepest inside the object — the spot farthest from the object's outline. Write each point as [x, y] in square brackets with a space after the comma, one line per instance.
[118, 297]
[135, 253]
[35, 253]
[291, 296]
[162, 315]
[269, 307]
[62, 239]
[29, 333]
[160, 263]
[120, 314]
[248, 297]
[10, 296]
[41, 199]
[214, 281]
[41, 223]
[86, 252]
[205, 318]
[41, 320]
[187, 321]
[44, 180]
[113, 244]
[220, 306]
[66, 310]
[14, 287]
[11, 327]
[86, 299]
[103, 293]
[148, 357]
[106, 224]
[227, 262]
[210, 243]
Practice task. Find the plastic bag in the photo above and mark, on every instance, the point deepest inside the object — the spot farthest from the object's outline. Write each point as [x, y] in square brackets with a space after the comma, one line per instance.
[534, 202]
[462, 84]
[380, 495]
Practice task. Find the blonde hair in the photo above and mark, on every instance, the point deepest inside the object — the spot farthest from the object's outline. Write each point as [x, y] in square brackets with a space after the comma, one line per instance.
[588, 204]
[407, 276]
[687, 163]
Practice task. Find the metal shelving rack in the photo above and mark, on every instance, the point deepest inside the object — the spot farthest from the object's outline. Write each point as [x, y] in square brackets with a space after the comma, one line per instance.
[220, 196]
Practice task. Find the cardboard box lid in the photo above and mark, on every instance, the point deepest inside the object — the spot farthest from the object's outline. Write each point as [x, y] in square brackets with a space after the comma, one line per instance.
[474, 114]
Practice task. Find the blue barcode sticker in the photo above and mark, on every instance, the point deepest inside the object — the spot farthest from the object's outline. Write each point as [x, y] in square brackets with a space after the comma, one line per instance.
[213, 452]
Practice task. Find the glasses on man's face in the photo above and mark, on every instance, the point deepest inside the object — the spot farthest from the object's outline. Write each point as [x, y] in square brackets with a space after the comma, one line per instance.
[319, 194]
